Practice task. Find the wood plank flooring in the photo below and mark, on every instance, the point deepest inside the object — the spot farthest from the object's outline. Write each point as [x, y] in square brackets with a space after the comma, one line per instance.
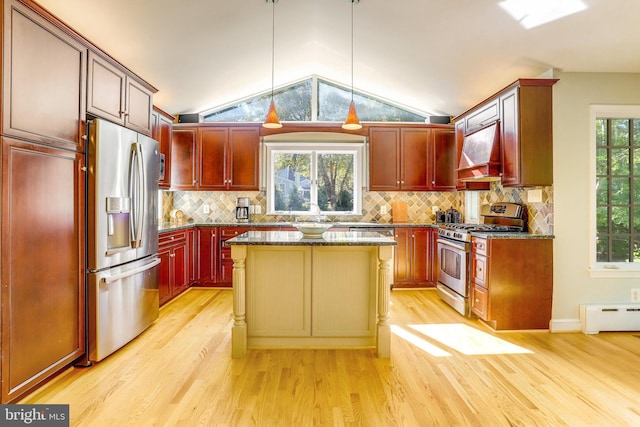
[444, 370]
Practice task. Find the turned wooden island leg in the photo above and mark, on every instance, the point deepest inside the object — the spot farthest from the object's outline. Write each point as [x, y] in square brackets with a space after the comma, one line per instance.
[385, 278]
[239, 329]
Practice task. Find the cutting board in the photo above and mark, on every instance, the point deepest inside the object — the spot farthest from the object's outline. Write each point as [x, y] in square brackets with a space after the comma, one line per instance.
[399, 212]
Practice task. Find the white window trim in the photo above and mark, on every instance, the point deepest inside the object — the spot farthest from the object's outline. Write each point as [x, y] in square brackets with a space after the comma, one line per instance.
[605, 269]
[308, 142]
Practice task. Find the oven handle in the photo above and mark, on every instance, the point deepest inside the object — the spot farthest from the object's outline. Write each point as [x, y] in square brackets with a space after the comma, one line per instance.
[452, 244]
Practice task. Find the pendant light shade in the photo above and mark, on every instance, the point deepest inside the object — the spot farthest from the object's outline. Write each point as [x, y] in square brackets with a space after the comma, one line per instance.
[352, 122]
[271, 121]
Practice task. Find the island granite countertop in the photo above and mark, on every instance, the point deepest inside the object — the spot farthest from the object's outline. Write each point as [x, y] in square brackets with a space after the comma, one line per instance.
[294, 238]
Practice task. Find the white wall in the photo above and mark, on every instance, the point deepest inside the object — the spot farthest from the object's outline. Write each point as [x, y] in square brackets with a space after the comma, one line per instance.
[572, 96]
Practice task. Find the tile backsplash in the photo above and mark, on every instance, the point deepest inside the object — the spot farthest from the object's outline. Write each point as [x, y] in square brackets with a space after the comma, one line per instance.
[222, 204]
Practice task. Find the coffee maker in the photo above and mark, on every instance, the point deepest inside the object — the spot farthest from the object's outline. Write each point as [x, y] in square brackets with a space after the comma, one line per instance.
[242, 209]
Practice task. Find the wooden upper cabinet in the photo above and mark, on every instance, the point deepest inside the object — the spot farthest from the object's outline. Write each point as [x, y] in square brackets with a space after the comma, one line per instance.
[115, 95]
[524, 110]
[161, 126]
[243, 157]
[183, 158]
[44, 80]
[527, 135]
[384, 159]
[223, 158]
[442, 160]
[412, 159]
[212, 143]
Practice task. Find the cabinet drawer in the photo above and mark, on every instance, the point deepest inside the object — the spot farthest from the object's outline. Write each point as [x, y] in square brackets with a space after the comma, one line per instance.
[479, 246]
[479, 270]
[479, 301]
[230, 232]
[172, 238]
[483, 115]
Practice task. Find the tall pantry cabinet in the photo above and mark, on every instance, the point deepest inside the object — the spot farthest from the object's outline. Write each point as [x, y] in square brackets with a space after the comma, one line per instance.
[42, 266]
[42, 177]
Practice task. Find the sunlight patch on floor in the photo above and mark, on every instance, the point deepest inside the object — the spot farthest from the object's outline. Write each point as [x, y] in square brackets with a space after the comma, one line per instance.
[468, 340]
[419, 342]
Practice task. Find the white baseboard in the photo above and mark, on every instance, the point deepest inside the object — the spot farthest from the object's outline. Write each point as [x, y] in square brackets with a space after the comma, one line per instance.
[564, 325]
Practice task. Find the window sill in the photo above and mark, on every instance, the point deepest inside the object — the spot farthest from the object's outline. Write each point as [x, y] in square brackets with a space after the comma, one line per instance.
[615, 271]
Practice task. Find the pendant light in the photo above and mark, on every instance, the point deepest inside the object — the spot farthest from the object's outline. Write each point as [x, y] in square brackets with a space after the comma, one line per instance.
[271, 121]
[352, 122]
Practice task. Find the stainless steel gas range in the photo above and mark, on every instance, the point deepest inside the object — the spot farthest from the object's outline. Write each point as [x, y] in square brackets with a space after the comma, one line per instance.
[454, 249]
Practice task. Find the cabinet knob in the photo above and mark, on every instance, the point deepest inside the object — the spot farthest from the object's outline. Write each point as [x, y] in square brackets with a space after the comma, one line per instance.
[84, 137]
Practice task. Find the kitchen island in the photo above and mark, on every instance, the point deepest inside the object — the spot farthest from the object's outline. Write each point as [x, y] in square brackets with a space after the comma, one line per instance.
[326, 292]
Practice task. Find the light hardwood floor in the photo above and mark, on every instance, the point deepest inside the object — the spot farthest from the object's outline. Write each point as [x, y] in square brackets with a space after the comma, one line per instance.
[444, 370]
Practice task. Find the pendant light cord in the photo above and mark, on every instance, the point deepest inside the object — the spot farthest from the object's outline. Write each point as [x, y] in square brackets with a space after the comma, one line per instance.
[352, 6]
[273, 43]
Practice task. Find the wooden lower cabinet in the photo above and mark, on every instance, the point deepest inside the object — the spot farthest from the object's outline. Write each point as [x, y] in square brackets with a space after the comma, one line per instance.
[512, 282]
[173, 271]
[43, 285]
[207, 256]
[413, 265]
[225, 266]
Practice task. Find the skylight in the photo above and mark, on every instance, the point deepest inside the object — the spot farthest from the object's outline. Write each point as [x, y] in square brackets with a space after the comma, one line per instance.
[533, 13]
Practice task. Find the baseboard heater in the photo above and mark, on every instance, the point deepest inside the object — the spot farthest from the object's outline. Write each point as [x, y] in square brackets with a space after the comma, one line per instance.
[595, 318]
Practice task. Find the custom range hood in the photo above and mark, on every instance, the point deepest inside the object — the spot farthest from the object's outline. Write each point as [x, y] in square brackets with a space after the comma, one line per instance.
[480, 157]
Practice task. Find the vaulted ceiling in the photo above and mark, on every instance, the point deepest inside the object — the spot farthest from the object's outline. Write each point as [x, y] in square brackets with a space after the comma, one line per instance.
[437, 57]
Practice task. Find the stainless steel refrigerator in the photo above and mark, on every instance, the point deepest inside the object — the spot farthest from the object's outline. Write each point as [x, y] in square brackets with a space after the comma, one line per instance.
[122, 261]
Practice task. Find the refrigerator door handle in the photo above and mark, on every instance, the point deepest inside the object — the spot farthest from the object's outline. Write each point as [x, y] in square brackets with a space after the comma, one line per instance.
[120, 276]
[137, 193]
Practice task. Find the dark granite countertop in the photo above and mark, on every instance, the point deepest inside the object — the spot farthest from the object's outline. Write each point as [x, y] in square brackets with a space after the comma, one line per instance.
[164, 227]
[502, 235]
[294, 238]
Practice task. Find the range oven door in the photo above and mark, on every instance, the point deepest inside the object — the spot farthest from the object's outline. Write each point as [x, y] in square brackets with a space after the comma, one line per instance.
[453, 267]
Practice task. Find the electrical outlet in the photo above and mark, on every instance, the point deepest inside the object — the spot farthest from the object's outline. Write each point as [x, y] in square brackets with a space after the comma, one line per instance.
[635, 295]
[434, 209]
[205, 209]
[383, 210]
[534, 196]
[257, 209]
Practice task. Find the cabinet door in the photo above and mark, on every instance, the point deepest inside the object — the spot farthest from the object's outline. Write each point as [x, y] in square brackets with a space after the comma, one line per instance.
[413, 163]
[44, 80]
[43, 297]
[180, 268]
[384, 159]
[442, 150]
[244, 145]
[164, 274]
[509, 143]
[480, 270]
[421, 256]
[106, 89]
[402, 257]
[138, 105]
[191, 259]
[183, 159]
[207, 255]
[212, 143]
[161, 127]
